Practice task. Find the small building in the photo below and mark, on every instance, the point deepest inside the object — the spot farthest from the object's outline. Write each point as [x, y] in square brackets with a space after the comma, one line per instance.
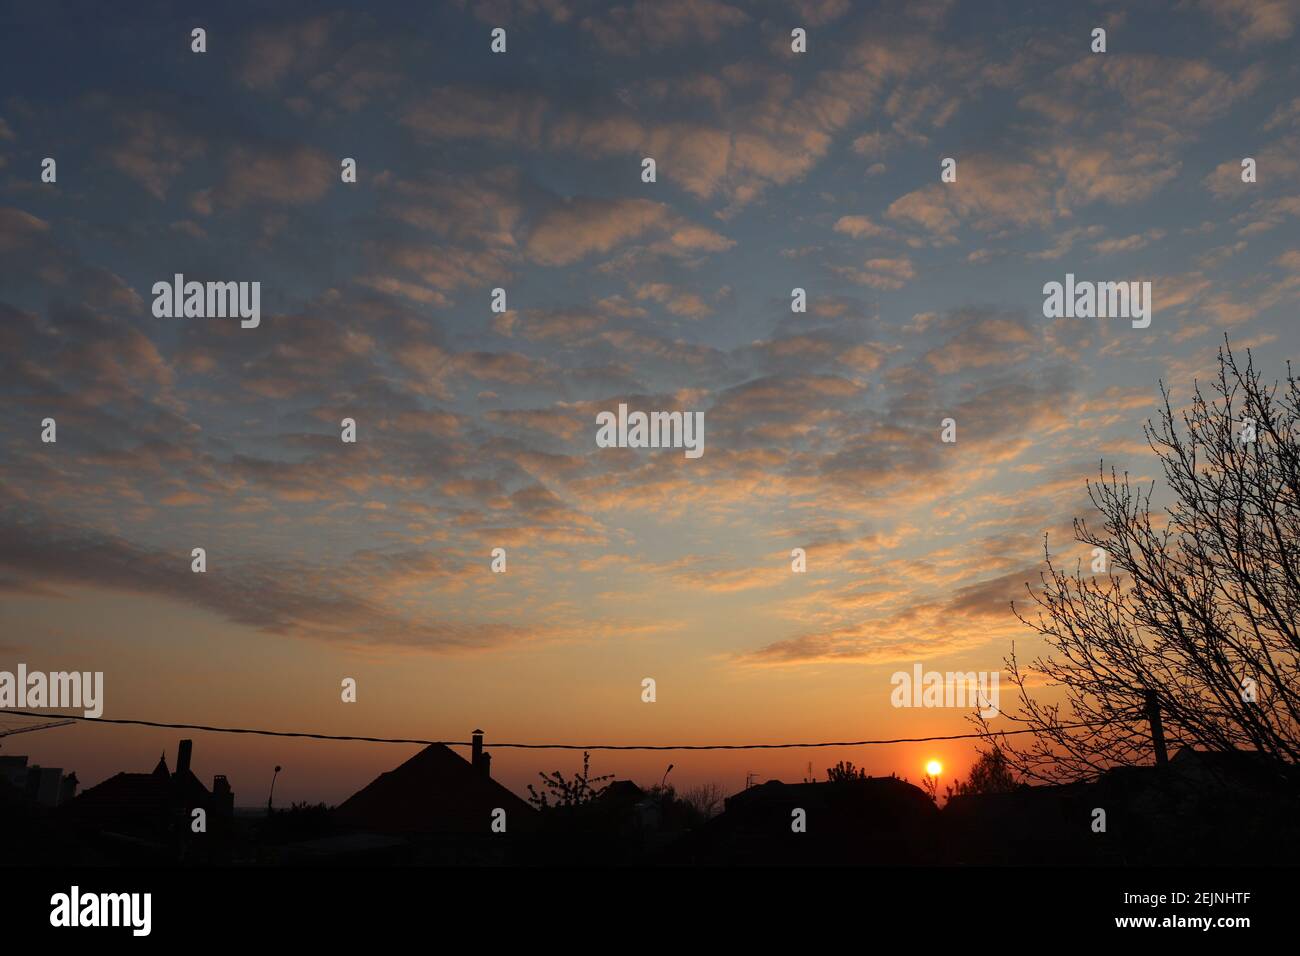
[436, 792]
[41, 786]
[1227, 807]
[157, 802]
[876, 820]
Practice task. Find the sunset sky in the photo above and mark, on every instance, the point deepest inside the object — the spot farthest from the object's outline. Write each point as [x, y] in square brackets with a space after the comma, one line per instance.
[477, 430]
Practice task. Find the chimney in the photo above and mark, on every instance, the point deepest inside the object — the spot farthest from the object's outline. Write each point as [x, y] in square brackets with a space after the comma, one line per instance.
[183, 753]
[223, 798]
[68, 789]
[478, 758]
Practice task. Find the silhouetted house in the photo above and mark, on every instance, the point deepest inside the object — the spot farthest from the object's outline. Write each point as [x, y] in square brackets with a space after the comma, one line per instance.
[155, 809]
[870, 820]
[13, 771]
[622, 793]
[621, 824]
[1241, 770]
[436, 792]
[34, 784]
[625, 799]
[1036, 825]
[1233, 807]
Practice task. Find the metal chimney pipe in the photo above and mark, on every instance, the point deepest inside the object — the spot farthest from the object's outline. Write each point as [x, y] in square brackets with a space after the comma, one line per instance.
[476, 750]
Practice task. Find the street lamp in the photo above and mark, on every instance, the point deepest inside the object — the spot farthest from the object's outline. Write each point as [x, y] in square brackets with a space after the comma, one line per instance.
[272, 796]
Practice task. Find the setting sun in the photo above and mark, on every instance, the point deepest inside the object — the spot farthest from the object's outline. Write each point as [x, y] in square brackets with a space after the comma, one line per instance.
[933, 768]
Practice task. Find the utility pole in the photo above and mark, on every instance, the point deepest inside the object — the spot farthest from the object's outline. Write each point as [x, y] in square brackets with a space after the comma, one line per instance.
[1157, 729]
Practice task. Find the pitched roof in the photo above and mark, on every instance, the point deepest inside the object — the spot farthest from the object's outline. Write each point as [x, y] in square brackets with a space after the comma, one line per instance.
[1241, 767]
[436, 791]
[143, 793]
[132, 792]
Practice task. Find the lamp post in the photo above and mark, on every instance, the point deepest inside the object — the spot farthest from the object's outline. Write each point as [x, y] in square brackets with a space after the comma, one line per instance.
[272, 796]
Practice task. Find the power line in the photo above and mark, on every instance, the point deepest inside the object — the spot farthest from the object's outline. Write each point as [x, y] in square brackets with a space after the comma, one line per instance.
[517, 746]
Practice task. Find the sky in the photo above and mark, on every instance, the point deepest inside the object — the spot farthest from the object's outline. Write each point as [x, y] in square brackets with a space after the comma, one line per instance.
[476, 430]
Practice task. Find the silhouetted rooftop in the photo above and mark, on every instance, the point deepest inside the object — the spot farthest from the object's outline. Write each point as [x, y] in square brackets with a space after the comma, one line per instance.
[436, 791]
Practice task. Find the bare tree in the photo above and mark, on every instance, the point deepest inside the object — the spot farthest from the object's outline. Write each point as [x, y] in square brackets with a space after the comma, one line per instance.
[1198, 608]
[705, 798]
[930, 784]
[562, 792]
